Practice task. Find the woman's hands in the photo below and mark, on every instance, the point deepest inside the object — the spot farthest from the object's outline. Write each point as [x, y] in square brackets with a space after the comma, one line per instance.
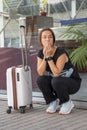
[47, 51]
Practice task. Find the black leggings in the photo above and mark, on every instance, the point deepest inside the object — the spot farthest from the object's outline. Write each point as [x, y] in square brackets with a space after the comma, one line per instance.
[57, 87]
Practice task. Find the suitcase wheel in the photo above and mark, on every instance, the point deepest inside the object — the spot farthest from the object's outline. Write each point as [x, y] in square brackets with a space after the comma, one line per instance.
[22, 109]
[9, 110]
[31, 105]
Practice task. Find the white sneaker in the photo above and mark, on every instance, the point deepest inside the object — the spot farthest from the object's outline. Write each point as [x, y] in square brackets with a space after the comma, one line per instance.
[66, 108]
[53, 107]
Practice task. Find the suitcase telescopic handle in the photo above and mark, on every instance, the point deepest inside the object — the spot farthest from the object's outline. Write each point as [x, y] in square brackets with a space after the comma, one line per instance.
[23, 44]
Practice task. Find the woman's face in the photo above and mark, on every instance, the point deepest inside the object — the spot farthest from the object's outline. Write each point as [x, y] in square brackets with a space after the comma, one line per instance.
[47, 38]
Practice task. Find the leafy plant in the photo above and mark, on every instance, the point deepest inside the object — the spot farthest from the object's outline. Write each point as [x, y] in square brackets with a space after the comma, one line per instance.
[43, 7]
[78, 56]
[35, 1]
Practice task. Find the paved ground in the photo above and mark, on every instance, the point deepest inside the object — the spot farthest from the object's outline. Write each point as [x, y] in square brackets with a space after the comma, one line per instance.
[38, 119]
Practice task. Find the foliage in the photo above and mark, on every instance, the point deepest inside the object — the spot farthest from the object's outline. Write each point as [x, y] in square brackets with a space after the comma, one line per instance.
[78, 56]
[43, 7]
[35, 1]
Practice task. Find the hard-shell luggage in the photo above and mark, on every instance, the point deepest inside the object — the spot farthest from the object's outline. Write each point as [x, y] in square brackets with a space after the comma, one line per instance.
[19, 88]
[19, 82]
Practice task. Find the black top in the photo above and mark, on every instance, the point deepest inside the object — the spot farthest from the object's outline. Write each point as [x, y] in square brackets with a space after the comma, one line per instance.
[68, 70]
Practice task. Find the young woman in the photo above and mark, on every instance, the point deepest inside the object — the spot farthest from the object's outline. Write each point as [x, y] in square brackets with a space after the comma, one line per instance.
[61, 80]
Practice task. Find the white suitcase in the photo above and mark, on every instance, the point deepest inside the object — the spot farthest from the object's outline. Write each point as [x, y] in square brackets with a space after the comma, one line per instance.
[19, 82]
[19, 88]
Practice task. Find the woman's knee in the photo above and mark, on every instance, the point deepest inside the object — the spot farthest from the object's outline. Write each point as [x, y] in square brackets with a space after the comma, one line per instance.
[40, 79]
[56, 82]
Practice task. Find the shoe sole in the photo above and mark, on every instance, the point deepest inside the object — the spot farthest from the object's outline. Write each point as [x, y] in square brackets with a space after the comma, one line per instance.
[49, 112]
[61, 113]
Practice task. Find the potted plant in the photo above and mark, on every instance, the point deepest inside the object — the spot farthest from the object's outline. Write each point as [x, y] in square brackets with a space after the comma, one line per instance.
[43, 11]
[78, 56]
[43, 8]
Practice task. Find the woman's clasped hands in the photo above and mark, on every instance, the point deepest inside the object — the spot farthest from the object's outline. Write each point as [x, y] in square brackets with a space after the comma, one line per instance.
[47, 51]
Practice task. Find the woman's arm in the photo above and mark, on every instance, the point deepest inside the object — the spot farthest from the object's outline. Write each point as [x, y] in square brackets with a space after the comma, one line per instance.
[58, 67]
[41, 63]
[41, 66]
